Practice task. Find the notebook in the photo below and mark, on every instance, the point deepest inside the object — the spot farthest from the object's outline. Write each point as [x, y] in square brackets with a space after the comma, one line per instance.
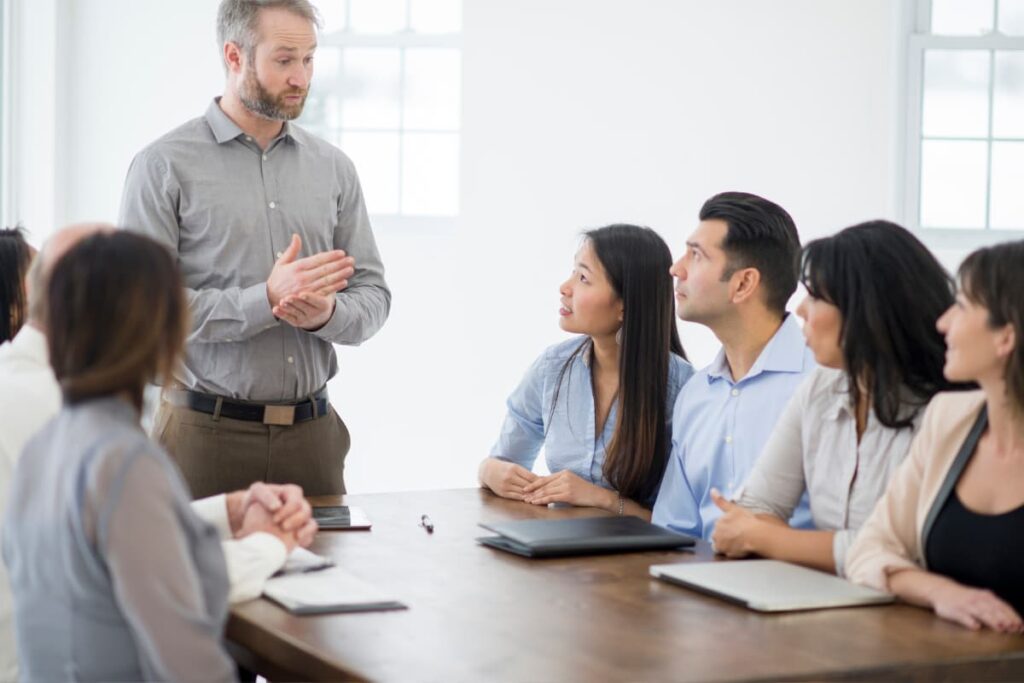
[587, 535]
[769, 585]
[328, 591]
[340, 517]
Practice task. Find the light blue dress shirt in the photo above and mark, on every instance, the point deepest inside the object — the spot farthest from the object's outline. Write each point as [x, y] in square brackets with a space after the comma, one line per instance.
[568, 435]
[719, 428]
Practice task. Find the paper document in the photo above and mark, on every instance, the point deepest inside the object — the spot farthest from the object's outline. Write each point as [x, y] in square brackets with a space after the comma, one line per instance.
[330, 590]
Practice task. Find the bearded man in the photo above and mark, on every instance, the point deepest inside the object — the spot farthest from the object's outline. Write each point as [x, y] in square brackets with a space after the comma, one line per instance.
[279, 261]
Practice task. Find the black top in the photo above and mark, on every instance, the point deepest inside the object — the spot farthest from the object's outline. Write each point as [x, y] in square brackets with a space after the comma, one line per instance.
[984, 551]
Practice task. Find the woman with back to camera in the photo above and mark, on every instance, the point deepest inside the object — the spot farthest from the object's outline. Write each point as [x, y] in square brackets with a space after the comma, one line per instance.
[113, 575]
[600, 403]
[874, 293]
[947, 534]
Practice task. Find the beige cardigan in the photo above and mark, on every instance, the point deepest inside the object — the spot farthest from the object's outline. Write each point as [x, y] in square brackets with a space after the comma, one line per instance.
[892, 538]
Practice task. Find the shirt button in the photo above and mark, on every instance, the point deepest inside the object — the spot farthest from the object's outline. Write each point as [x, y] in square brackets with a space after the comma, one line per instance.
[735, 392]
[728, 439]
[264, 157]
[290, 359]
[248, 139]
[279, 254]
[272, 205]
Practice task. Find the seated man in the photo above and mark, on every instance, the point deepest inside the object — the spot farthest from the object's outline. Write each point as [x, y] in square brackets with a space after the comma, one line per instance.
[30, 397]
[739, 270]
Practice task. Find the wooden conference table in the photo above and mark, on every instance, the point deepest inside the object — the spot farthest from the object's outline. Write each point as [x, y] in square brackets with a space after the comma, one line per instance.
[476, 614]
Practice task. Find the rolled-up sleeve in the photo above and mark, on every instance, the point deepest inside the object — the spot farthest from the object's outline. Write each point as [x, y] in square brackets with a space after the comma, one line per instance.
[363, 306]
[522, 432]
[777, 481]
[149, 206]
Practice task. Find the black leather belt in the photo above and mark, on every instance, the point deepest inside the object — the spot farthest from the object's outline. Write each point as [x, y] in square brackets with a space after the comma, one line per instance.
[267, 413]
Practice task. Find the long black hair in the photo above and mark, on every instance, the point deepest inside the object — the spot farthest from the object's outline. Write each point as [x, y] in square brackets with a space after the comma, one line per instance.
[890, 291]
[15, 256]
[637, 262]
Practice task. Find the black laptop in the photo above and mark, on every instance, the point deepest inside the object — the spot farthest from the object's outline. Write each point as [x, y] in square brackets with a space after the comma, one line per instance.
[581, 536]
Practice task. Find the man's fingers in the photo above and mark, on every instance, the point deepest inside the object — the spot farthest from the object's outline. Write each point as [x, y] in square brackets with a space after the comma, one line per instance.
[316, 260]
[292, 251]
[262, 494]
[307, 533]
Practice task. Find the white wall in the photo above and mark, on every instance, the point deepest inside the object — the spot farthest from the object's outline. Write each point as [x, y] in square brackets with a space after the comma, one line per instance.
[576, 113]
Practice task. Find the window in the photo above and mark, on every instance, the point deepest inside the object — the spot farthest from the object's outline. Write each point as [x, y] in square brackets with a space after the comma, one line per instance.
[6, 210]
[965, 130]
[387, 91]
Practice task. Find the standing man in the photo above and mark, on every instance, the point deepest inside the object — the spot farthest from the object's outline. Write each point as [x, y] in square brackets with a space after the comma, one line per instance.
[279, 261]
[738, 271]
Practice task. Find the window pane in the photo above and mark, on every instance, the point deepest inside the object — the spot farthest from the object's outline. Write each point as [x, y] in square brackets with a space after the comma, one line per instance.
[370, 90]
[432, 88]
[377, 16]
[953, 180]
[322, 111]
[430, 174]
[956, 93]
[436, 16]
[376, 158]
[1008, 108]
[1011, 17]
[332, 15]
[1007, 181]
[961, 17]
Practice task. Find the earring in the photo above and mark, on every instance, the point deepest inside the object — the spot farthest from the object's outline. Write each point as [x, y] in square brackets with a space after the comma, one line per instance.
[618, 336]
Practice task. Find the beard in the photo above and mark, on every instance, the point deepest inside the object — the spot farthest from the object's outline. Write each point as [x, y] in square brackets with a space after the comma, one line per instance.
[260, 102]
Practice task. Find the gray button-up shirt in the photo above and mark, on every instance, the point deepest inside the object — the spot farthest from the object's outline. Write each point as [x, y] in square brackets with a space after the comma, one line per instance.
[228, 209]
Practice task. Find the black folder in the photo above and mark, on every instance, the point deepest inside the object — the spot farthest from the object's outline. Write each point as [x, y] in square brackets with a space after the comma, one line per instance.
[581, 536]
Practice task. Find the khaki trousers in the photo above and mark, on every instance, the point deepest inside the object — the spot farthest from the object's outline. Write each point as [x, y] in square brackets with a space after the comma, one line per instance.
[224, 455]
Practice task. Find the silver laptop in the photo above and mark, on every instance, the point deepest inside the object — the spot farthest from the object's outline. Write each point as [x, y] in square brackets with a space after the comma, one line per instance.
[769, 585]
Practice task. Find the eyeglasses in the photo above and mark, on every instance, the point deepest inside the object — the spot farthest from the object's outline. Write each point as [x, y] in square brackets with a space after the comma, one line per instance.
[426, 524]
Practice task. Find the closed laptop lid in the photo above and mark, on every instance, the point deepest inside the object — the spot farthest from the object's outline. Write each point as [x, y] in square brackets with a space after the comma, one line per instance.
[769, 585]
[591, 532]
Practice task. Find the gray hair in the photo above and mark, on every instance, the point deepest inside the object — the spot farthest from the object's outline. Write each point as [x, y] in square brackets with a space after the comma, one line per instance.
[238, 20]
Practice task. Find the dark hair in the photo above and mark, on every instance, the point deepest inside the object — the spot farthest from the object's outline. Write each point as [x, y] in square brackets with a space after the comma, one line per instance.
[637, 261]
[761, 235]
[890, 291]
[994, 278]
[116, 316]
[15, 257]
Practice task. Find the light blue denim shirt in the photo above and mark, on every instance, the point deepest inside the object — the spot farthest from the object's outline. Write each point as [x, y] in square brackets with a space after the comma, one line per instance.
[719, 428]
[568, 435]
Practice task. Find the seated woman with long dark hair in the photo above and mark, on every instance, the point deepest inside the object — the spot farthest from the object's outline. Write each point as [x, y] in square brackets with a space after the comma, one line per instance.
[15, 257]
[599, 403]
[874, 292]
[113, 575]
[947, 534]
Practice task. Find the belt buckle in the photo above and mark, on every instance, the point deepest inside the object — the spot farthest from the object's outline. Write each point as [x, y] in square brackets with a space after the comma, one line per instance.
[279, 415]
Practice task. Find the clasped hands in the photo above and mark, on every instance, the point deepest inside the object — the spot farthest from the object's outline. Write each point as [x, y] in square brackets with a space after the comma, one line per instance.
[277, 509]
[301, 290]
[509, 480]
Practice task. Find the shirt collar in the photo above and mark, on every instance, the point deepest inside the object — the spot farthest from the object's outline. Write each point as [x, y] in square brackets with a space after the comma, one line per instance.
[784, 352]
[224, 129]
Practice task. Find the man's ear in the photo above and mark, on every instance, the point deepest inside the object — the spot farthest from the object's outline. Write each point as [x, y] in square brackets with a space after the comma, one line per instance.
[744, 284]
[233, 57]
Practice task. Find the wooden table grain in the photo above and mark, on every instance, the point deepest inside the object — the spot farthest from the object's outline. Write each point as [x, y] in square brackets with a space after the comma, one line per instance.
[476, 614]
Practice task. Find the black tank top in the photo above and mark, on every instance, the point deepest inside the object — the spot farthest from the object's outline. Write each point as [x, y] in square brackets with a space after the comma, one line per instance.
[983, 551]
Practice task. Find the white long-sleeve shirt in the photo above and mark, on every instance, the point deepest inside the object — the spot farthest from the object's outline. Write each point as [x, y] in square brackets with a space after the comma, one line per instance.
[29, 398]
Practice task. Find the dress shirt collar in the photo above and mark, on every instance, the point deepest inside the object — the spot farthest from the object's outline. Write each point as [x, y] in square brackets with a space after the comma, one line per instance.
[30, 345]
[783, 353]
[838, 392]
[224, 129]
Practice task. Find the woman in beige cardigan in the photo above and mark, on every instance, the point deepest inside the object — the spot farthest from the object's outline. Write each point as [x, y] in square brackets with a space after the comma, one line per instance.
[948, 532]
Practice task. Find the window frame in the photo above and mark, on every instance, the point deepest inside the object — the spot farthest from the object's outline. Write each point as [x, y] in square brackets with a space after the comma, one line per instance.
[401, 40]
[919, 41]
